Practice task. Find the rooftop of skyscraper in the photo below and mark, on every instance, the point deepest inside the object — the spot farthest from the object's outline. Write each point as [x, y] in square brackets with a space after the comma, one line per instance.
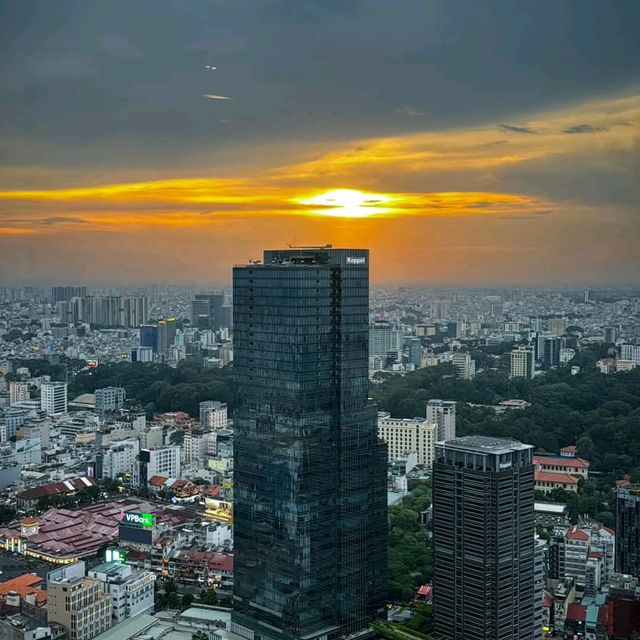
[487, 444]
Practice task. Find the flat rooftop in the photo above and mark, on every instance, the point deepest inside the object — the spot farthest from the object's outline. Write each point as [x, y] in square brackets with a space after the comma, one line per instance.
[486, 444]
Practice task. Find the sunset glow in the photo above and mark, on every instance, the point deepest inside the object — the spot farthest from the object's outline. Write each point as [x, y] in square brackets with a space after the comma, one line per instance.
[347, 203]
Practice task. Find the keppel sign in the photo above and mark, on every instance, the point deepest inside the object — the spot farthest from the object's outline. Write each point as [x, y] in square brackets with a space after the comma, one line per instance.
[356, 260]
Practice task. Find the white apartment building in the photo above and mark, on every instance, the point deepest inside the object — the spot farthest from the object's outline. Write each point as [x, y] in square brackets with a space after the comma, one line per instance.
[53, 398]
[443, 414]
[405, 435]
[465, 366]
[18, 392]
[131, 590]
[630, 352]
[120, 458]
[522, 363]
[162, 462]
[213, 415]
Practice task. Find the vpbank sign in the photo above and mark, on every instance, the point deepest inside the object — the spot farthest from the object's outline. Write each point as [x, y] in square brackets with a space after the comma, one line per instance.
[356, 260]
[138, 519]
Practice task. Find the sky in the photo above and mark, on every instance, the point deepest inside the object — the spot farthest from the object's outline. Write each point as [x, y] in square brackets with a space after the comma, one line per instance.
[464, 143]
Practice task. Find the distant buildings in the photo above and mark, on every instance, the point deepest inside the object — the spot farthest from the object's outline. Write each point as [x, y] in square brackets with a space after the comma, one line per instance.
[80, 606]
[630, 353]
[628, 530]
[207, 311]
[483, 540]
[404, 436]
[464, 365]
[105, 311]
[109, 399]
[443, 414]
[560, 472]
[18, 392]
[53, 398]
[64, 294]
[522, 363]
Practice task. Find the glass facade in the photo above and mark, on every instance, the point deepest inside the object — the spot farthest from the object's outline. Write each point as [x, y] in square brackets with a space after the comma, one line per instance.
[310, 474]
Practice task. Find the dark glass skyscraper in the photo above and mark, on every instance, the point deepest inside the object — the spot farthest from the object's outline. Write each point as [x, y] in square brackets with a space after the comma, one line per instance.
[483, 540]
[628, 530]
[310, 474]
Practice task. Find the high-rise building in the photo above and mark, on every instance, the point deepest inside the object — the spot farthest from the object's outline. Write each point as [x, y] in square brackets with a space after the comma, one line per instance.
[213, 415]
[110, 399]
[522, 363]
[464, 365]
[119, 459]
[610, 334]
[385, 340]
[627, 548]
[630, 352]
[166, 334]
[405, 436]
[205, 310]
[53, 398]
[18, 392]
[80, 606]
[443, 414]
[149, 336]
[64, 294]
[415, 352]
[483, 540]
[309, 472]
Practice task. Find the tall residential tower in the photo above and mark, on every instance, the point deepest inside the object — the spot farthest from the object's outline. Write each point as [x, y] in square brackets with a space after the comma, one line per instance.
[309, 473]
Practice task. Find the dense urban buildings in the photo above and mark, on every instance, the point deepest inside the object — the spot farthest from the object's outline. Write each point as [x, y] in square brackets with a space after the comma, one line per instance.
[483, 540]
[310, 472]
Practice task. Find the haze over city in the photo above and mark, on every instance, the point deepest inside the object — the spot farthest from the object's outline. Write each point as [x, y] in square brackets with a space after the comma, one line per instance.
[463, 143]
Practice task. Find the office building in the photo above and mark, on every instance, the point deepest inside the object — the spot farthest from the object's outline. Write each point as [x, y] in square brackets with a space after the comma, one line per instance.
[404, 436]
[443, 414]
[206, 311]
[149, 337]
[522, 363]
[627, 549]
[110, 399]
[142, 354]
[166, 334]
[415, 352]
[310, 481]
[131, 590]
[385, 342]
[53, 398]
[213, 415]
[610, 334]
[464, 365]
[483, 540]
[18, 392]
[80, 606]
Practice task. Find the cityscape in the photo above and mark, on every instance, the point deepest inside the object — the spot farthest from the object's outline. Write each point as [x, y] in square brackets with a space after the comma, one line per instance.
[320, 320]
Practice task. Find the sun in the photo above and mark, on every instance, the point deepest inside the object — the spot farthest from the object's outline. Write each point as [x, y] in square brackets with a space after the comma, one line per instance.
[347, 203]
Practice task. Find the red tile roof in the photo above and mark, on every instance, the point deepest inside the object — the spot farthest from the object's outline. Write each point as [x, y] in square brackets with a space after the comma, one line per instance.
[57, 488]
[595, 554]
[576, 534]
[561, 461]
[24, 586]
[558, 478]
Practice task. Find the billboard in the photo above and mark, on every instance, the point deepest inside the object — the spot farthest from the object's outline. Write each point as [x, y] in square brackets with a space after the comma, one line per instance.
[133, 519]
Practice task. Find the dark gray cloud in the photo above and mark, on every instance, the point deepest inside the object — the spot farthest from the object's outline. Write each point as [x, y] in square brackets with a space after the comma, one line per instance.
[584, 128]
[88, 84]
[512, 128]
[61, 220]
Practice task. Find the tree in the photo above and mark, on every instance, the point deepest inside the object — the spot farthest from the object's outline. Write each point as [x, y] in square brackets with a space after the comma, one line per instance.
[199, 635]
[208, 596]
[186, 601]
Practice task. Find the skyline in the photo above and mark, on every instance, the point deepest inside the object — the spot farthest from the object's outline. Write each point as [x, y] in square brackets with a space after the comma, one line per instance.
[459, 159]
